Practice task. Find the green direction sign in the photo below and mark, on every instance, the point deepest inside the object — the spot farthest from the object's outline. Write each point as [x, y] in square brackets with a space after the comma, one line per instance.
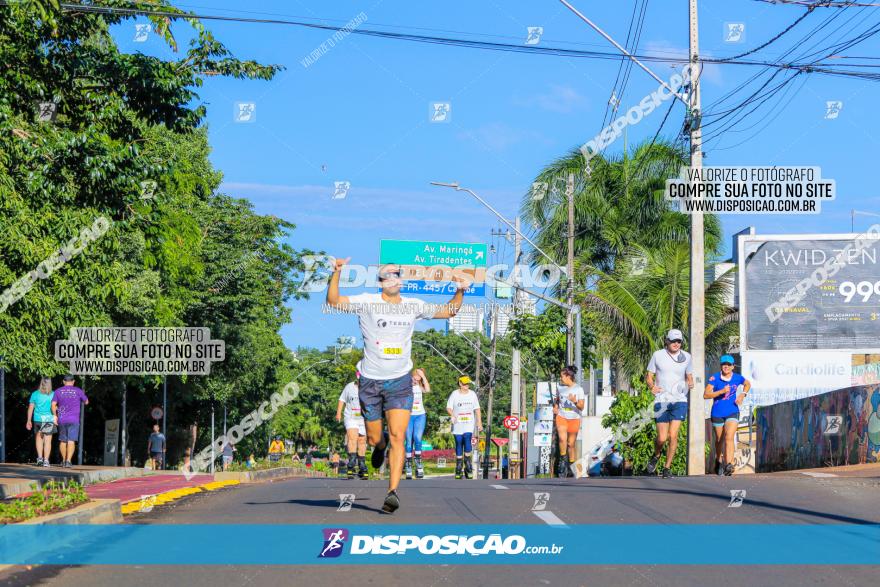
[429, 253]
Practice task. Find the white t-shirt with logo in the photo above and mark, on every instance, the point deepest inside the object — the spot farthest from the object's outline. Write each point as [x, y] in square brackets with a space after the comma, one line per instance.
[387, 331]
[464, 407]
[567, 408]
[670, 373]
[418, 405]
[349, 397]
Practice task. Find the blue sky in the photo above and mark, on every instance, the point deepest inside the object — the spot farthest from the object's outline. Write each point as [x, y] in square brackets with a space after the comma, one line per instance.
[360, 113]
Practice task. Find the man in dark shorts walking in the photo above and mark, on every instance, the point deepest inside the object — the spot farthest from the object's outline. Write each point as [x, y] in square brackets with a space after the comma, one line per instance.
[387, 321]
[157, 449]
[66, 403]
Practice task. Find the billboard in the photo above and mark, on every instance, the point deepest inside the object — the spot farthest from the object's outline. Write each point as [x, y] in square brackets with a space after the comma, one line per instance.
[782, 376]
[809, 292]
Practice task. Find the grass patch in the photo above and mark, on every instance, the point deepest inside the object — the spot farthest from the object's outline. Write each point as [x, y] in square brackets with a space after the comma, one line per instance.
[265, 464]
[52, 498]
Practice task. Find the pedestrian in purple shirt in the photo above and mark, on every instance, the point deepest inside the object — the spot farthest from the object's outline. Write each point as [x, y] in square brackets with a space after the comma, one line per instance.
[67, 400]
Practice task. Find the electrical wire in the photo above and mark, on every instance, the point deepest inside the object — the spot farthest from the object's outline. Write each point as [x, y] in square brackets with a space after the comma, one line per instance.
[450, 41]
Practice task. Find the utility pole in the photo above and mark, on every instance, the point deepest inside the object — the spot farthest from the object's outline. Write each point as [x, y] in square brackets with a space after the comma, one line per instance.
[696, 431]
[569, 319]
[696, 428]
[479, 353]
[515, 364]
[488, 440]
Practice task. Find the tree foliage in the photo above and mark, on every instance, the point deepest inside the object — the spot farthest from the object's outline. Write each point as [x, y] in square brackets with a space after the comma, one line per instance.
[126, 143]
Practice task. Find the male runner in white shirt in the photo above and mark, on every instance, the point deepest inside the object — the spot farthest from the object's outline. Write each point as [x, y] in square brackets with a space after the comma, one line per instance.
[355, 429]
[387, 321]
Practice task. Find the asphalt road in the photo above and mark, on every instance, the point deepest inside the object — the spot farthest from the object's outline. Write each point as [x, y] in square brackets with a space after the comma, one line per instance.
[768, 500]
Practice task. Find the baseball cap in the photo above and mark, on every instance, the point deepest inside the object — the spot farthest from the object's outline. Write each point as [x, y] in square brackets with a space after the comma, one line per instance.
[674, 334]
[727, 359]
[464, 379]
[68, 377]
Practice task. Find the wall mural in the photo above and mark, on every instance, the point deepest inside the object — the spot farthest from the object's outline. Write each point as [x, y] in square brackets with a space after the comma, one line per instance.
[840, 427]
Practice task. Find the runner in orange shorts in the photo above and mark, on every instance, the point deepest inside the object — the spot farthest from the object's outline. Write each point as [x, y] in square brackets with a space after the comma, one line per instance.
[568, 404]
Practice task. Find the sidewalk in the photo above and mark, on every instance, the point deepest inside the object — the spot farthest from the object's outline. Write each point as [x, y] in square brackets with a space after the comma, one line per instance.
[133, 489]
[16, 479]
[863, 471]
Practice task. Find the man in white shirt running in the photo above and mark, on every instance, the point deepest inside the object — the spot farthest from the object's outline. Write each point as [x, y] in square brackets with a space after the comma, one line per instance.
[669, 377]
[355, 429]
[387, 321]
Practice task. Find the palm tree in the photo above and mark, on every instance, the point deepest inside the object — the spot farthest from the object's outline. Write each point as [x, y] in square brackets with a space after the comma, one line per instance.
[647, 293]
[618, 203]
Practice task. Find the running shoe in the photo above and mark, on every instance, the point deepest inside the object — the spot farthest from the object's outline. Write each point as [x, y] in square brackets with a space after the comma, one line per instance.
[420, 470]
[378, 456]
[728, 469]
[45, 462]
[408, 468]
[459, 466]
[666, 473]
[652, 465]
[392, 502]
[39, 462]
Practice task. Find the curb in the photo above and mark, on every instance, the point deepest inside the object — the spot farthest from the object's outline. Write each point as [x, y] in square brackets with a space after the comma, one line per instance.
[146, 504]
[267, 474]
[95, 511]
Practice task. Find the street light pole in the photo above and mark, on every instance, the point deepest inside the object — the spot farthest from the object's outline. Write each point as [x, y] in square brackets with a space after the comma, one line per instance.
[488, 440]
[569, 319]
[515, 365]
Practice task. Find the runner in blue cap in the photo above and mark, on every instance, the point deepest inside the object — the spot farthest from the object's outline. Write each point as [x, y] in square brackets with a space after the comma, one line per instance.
[727, 390]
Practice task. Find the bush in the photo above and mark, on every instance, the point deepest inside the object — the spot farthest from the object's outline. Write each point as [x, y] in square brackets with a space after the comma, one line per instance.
[53, 497]
[639, 448]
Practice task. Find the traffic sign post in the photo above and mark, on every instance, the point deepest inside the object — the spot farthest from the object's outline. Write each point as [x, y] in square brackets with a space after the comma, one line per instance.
[429, 253]
[157, 414]
[511, 423]
[444, 258]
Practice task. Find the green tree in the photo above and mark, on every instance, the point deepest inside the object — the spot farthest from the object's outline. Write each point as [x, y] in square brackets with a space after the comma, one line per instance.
[631, 310]
[126, 144]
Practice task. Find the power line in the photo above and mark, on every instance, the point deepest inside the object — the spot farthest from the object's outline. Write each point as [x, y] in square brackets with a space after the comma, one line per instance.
[485, 45]
[820, 3]
[773, 39]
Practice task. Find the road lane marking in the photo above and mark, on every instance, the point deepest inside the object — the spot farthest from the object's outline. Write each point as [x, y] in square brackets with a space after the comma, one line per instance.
[812, 474]
[549, 518]
[498, 487]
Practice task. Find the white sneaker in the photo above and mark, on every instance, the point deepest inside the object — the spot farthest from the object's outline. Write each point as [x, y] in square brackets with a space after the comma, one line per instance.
[46, 463]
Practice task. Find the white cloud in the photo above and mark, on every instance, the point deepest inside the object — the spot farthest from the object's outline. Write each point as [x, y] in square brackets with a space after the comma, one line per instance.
[498, 136]
[560, 98]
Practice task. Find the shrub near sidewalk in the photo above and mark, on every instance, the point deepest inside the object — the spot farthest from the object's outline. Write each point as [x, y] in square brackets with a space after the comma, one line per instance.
[638, 448]
[52, 498]
[265, 464]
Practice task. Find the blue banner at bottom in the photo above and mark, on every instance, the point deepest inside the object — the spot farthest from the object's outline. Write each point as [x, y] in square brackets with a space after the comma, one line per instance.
[173, 544]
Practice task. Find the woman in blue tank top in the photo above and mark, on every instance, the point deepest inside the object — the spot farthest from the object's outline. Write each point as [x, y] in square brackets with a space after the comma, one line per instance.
[727, 390]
